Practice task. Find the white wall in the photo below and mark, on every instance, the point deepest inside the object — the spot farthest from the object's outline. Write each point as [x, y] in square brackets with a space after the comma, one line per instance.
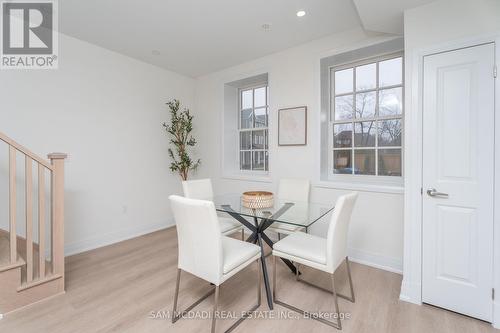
[438, 26]
[376, 234]
[106, 111]
[448, 20]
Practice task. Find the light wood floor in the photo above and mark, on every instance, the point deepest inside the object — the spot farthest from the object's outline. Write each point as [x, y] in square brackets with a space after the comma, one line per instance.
[115, 289]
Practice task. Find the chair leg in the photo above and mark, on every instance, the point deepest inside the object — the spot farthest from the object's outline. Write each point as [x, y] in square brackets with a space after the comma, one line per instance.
[176, 315]
[214, 311]
[349, 298]
[337, 324]
[336, 302]
[279, 236]
[176, 296]
[259, 292]
[242, 234]
[350, 279]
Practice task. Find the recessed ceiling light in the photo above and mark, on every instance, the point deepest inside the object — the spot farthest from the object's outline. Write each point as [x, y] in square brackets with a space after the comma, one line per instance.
[155, 52]
[266, 27]
[301, 13]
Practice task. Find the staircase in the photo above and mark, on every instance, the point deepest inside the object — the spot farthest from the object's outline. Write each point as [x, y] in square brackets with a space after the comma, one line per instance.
[32, 243]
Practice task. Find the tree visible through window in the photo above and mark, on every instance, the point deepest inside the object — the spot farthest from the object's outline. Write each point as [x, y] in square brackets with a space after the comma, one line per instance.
[366, 113]
[253, 128]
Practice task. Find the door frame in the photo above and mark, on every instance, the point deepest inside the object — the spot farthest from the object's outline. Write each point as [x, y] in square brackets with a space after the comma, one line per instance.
[411, 286]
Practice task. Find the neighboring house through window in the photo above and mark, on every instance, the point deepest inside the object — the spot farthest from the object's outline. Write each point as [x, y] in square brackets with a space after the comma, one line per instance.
[253, 128]
[366, 117]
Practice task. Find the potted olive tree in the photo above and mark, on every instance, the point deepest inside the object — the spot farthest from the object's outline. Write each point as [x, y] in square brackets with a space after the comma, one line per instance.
[179, 131]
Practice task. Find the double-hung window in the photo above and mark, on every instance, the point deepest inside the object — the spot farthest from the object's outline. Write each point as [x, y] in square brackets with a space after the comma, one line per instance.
[253, 128]
[366, 117]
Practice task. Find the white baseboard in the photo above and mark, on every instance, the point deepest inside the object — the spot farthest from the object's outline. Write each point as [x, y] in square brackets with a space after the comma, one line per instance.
[390, 264]
[359, 256]
[114, 237]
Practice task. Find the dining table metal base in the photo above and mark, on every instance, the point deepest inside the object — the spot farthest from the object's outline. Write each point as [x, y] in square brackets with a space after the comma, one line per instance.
[259, 237]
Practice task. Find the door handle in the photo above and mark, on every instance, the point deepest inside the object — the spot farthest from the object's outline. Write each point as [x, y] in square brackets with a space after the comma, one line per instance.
[433, 193]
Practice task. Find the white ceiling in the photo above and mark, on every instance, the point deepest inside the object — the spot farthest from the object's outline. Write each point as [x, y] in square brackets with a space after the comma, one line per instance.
[197, 37]
[385, 16]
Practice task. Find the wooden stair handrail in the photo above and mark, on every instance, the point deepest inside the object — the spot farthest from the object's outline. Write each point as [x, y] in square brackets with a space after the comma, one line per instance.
[34, 164]
[26, 151]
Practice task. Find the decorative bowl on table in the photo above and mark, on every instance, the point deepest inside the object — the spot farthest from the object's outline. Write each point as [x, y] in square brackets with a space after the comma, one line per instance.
[257, 199]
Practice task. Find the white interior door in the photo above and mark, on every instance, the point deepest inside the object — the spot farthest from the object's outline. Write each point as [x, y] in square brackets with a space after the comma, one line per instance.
[458, 169]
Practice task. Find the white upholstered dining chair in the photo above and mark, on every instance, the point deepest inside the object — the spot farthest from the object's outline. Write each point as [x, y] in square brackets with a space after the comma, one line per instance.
[206, 254]
[202, 189]
[293, 190]
[324, 254]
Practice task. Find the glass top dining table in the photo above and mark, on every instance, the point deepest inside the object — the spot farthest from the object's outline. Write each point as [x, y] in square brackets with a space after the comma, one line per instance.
[304, 215]
[295, 213]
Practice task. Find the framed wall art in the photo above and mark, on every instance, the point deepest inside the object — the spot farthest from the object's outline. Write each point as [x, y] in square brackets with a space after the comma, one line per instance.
[292, 126]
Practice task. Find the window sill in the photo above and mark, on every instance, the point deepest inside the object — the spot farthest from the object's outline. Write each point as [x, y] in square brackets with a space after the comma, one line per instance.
[251, 177]
[361, 186]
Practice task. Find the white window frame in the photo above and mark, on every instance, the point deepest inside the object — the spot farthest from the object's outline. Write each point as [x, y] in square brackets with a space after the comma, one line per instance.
[359, 178]
[265, 129]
